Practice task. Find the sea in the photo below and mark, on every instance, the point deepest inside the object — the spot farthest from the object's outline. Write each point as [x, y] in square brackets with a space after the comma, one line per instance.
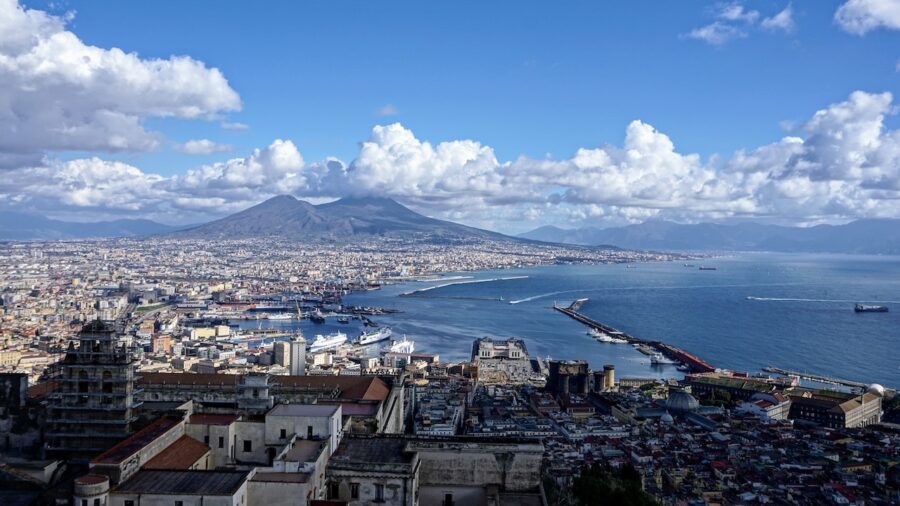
[792, 311]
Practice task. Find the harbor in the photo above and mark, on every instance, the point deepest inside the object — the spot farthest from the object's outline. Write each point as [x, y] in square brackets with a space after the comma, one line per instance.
[672, 353]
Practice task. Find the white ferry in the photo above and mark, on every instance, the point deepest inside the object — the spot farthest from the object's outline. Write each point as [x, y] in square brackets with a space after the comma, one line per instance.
[328, 342]
[376, 336]
[402, 346]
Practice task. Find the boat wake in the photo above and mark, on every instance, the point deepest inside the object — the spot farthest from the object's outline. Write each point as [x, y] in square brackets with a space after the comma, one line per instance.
[788, 299]
[541, 296]
[467, 282]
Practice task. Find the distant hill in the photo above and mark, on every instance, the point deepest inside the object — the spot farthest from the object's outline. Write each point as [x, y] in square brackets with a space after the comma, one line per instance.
[287, 217]
[870, 236]
[18, 226]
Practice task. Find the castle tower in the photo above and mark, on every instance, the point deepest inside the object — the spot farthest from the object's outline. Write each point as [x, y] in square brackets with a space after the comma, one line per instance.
[94, 404]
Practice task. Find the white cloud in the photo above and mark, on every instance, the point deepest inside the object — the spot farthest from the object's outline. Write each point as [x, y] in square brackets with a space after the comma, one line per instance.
[734, 21]
[387, 110]
[58, 93]
[861, 16]
[716, 33]
[203, 147]
[736, 12]
[842, 163]
[783, 21]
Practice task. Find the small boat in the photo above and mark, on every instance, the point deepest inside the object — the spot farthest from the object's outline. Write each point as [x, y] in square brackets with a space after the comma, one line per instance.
[705, 268]
[317, 317]
[343, 319]
[863, 308]
[660, 359]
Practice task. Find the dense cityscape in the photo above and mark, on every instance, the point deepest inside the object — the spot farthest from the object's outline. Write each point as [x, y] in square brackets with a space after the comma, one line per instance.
[123, 359]
[299, 253]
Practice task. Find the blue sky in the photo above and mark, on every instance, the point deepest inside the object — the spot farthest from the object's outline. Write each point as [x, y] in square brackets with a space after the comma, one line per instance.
[527, 79]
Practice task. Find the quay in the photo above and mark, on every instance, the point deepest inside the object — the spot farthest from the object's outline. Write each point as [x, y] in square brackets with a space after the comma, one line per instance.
[695, 364]
[817, 377]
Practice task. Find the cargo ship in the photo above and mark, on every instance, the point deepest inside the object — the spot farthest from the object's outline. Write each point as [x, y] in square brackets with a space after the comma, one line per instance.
[863, 308]
[317, 317]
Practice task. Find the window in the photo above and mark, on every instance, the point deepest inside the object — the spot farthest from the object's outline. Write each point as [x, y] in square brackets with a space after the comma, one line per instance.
[179, 503]
[333, 490]
[129, 502]
[97, 502]
[448, 500]
[206, 440]
[354, 491]
[84, 502]
[309, 432]
[283, 433]
[379, 492]
[248, 446]
[221, 442]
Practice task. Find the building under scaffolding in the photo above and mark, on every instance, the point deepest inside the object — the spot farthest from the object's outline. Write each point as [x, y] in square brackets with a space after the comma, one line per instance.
[94, 404]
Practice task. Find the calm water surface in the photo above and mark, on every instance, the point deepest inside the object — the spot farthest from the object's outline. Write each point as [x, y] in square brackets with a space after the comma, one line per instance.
[791, 311]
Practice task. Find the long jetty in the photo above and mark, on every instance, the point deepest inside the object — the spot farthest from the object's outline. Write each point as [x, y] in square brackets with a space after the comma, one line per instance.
[815, 377]
[694, 363]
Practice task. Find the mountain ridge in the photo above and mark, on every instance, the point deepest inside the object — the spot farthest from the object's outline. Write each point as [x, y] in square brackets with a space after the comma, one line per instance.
[289, 217]
[20, 226]
[864, 236]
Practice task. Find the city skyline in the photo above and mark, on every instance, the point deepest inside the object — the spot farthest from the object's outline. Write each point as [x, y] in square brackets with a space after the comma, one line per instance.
[777, 112]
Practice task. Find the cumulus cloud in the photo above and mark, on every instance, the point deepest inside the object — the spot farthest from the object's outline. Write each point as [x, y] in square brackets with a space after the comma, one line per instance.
[58, 93]
[862, 16]
[783, 21]
[841, 163]
[203, 147]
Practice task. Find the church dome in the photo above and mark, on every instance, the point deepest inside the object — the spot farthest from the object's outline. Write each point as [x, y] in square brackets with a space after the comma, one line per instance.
[876, 389]
[666, 418]
[679, 400]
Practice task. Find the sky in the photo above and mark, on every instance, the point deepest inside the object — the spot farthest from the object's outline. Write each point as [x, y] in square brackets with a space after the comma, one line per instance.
[503, 115]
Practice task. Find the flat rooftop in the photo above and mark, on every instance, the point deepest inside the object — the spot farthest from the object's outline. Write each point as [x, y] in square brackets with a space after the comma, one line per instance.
[187, 482]
[371, 450]
[304, 450]
[303, 410]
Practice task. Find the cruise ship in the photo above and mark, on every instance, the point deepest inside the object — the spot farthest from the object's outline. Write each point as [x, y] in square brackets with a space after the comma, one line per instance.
[402, 346]
[328, 342]
[376, 336]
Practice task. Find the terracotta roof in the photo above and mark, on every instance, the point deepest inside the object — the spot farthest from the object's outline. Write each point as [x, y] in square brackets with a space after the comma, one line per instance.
[163, 378]
[182, 454]
[212, 419]
[41, 390]
[351, 387]
[134, 443]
